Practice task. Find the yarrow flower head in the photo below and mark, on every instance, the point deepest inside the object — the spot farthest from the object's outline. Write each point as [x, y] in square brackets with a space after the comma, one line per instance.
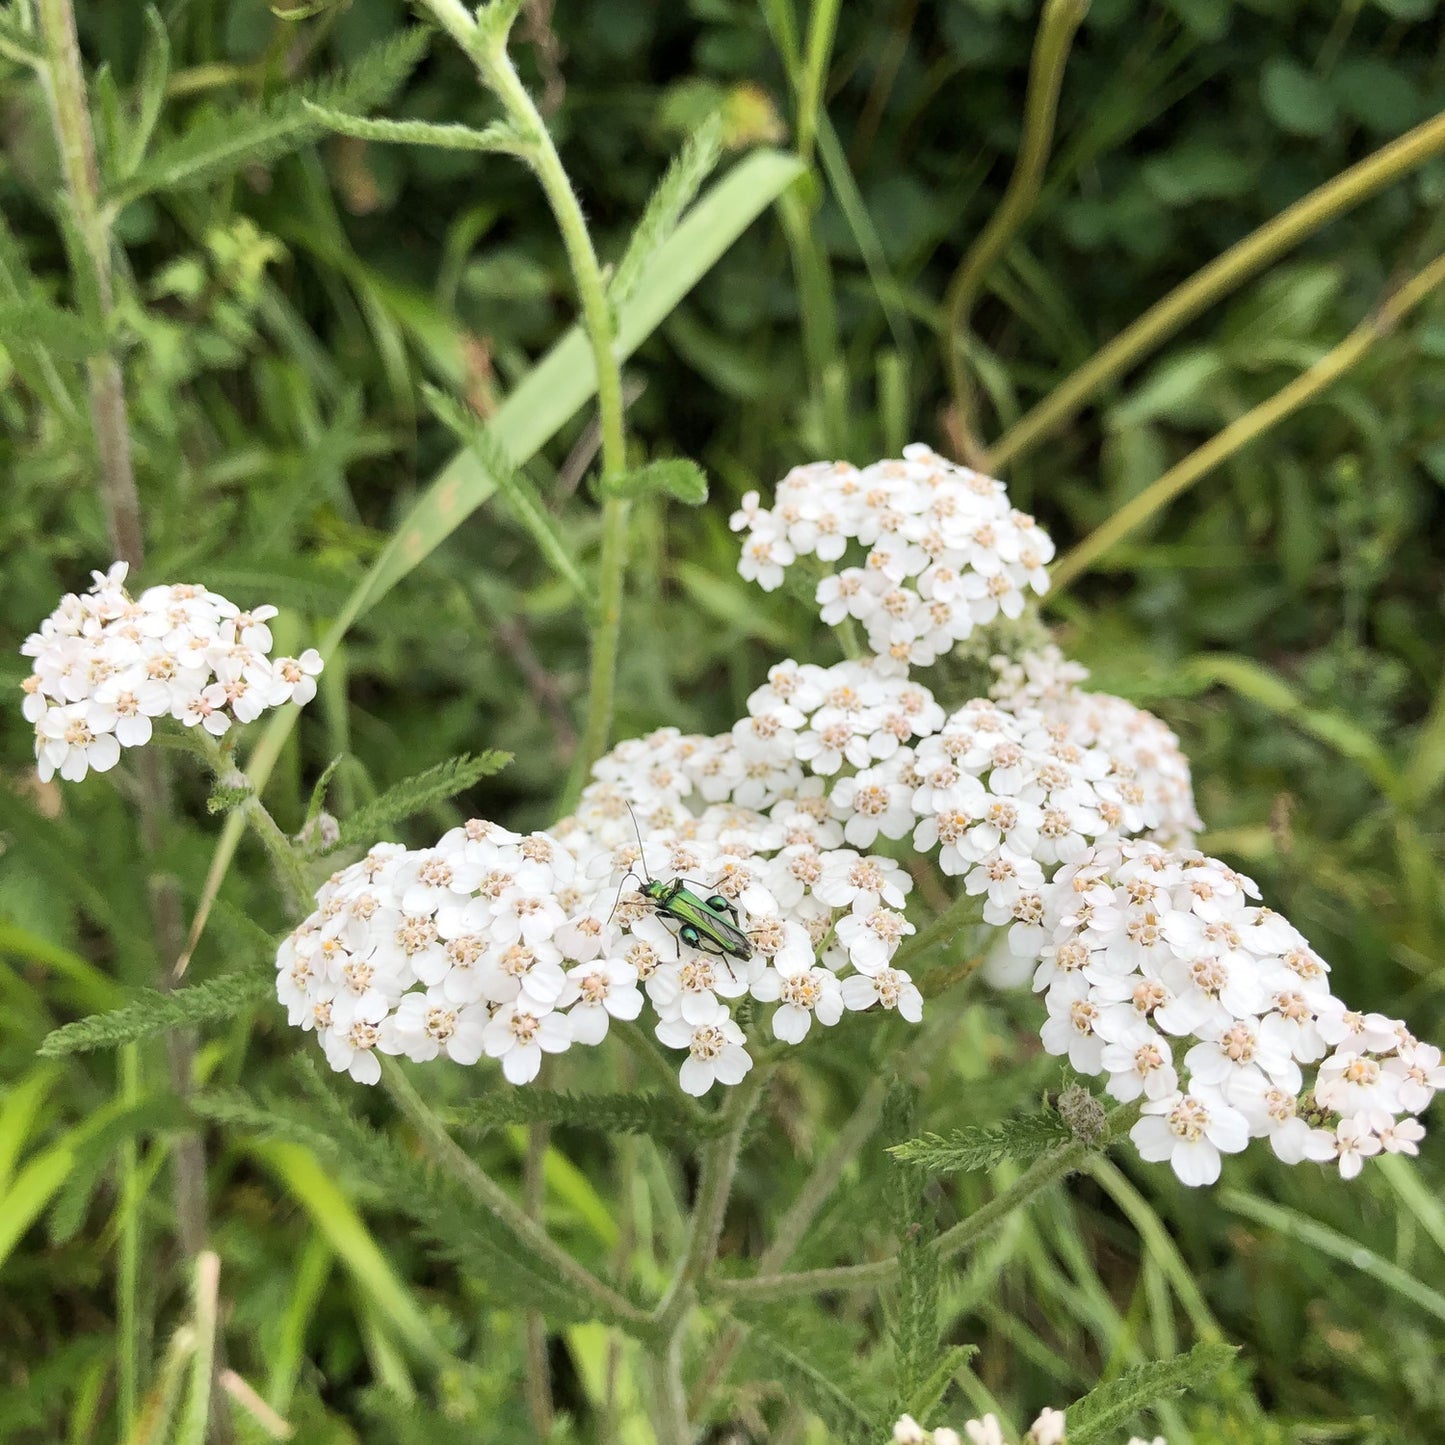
[1162, 974]
[516, 947]
[107, 665]
[1147, 788]
[931, 549]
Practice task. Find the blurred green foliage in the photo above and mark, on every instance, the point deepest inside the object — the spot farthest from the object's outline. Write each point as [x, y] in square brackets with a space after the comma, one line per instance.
[278, 322]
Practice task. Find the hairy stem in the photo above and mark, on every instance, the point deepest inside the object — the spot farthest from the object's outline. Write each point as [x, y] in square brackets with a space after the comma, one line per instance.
[486, 46]
[1217, 280]
[1060, 20]
[1252, 425]
[445, 1150]
[1045, 1171]
[64, 84]
[967, 908]
[70, 119]
[539, 1384]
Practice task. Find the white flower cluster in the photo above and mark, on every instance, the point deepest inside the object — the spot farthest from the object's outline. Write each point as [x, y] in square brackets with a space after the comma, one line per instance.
[107, 664]
[939, 549]
[1048, 1429]
[1160, 973]
[1147, 768]
[518, 946]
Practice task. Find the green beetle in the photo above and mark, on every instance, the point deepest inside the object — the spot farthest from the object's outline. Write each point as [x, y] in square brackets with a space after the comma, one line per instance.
[709, 924]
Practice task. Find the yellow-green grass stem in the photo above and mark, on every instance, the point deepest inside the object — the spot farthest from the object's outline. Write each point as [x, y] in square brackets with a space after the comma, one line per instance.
[1215, 281]
[1304, 389]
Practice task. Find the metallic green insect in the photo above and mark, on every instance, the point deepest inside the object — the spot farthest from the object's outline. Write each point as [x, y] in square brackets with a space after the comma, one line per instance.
[707, 923]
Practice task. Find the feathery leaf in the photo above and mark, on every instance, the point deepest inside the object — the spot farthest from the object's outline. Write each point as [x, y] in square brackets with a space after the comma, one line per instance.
[411, 795]
[1021, 1140]
[154, 1012]
[641, 1113]
[672, 476]
[39, 323]
[221, 141]
[674, 194]
[521, 496]
[1102, 1411]
[463, 1230]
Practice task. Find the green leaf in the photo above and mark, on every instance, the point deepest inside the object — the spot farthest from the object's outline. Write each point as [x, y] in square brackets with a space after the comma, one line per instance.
[40, 324]
[154, 1012]
[224, 799]
[221, 140]
[521, 496]
[1297, 99]
[1290, 1224]
[672, 477]
[1021, 1140]
[780, 1356]
[674, 194]
[498, 136]
[411, 795]
[21, 46]
[464, 1230]
[655, 1114]
[155, 69]
[1104, 1411]
[317, 800]
[495, 21]
[914, 1326]
[935, 1385]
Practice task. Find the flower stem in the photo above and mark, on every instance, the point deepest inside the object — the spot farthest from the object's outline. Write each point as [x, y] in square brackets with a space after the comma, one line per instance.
[529, 1234]
[967, 908]
[63, 80]
[1048, 1169]
[486, 46]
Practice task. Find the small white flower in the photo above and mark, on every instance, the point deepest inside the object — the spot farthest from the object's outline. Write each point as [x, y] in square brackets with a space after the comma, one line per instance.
[598, 992]
[715, 1049]
[1190, 1132]
[518, 1035]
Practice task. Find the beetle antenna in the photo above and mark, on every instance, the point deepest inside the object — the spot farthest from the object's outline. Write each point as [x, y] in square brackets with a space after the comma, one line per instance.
[617, 902]
[641, 850]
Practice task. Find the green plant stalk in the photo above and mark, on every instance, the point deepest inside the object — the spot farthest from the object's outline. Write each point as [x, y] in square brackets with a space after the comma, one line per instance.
[221, 761]
[816, 1191]
[1057, 27]
[1249, 427]
[539, 1384]
[1157, 1242]
[127, 1275]
[719, 1169]
[1216, 280]
[529, 1234]
[196, 1420]
[1045, 1171]
[967, 908]
[822, 31]
[489, 54]
[64, 83]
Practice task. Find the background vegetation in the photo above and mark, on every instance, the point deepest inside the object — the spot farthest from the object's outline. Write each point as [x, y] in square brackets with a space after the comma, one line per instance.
[281, 300]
